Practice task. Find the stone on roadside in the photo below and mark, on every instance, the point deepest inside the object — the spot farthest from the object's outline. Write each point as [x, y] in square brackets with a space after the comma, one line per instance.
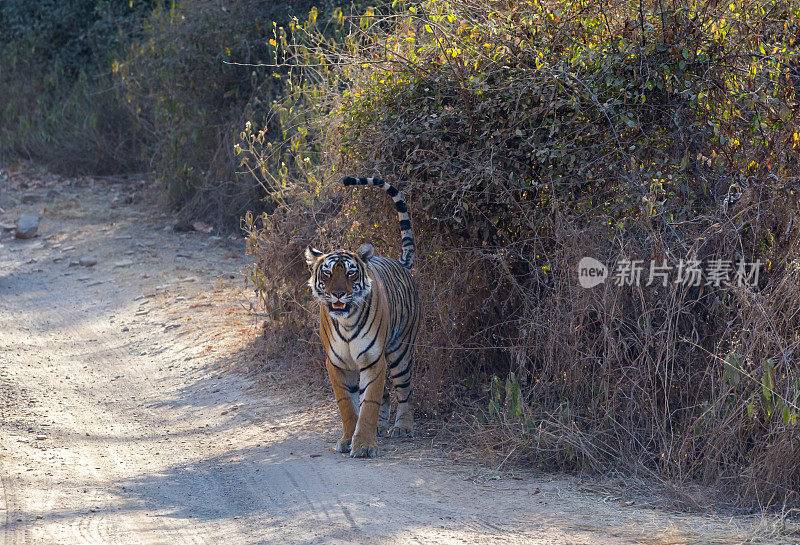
[27, 226]
[87, 262]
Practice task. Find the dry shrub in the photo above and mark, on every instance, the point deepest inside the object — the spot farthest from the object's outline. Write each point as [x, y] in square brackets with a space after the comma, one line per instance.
[525, 138]
[193, 72]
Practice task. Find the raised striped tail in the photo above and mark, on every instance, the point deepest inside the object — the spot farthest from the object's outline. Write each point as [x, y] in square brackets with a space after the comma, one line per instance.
[406, 236]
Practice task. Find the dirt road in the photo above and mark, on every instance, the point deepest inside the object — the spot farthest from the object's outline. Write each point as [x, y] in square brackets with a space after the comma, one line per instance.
[121, 423]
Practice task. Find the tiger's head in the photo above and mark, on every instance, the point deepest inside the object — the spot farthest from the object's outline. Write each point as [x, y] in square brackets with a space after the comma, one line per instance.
[339, 280]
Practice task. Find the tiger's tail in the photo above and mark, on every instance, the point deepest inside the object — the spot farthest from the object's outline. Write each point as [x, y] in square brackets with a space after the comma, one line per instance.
[406, 236]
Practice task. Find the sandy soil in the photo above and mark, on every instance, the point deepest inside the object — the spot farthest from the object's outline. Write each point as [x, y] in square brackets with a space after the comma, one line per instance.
[122, 422]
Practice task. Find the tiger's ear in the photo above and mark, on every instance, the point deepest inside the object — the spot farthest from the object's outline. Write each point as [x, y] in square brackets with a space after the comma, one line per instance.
[312, 256]
[366, 251]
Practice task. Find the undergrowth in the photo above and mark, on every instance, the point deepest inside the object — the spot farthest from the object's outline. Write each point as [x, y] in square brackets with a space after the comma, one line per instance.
[190, 81]
[149, 87]
[526, 136]
[59, 103]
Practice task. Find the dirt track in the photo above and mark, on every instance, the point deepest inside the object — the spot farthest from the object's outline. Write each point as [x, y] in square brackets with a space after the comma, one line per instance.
[122, 424]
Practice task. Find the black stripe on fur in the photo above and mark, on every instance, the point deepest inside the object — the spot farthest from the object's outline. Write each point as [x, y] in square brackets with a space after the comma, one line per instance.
[407, 242]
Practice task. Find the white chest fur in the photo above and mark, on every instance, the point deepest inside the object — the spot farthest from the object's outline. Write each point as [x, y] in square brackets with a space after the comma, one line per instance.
[352, 347]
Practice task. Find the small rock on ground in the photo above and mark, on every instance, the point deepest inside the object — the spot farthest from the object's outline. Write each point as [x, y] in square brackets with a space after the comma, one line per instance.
[27, 226]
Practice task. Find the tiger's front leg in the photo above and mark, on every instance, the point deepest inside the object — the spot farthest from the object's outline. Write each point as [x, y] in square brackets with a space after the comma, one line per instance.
[372, 379]
[345, 384]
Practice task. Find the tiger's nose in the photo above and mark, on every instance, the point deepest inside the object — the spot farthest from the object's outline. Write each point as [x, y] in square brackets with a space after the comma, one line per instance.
[339, 294]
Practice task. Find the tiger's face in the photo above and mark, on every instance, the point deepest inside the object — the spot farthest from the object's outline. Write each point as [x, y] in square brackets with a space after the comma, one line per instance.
[339, 279]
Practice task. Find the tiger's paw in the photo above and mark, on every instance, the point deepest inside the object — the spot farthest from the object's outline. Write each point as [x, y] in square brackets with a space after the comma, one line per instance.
[343, 445]
[364, 450]
[400, 432]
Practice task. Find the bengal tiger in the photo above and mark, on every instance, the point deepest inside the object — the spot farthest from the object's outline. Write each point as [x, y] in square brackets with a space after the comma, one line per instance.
[369, 318]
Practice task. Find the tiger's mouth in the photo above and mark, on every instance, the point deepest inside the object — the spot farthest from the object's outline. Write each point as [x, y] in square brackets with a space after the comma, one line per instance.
[339, 306]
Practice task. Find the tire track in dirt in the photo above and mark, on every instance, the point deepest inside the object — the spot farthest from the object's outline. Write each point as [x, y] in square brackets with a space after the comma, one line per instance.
[11, 531]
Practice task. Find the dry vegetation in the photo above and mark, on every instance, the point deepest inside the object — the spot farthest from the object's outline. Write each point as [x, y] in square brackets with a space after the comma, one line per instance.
[525, 136]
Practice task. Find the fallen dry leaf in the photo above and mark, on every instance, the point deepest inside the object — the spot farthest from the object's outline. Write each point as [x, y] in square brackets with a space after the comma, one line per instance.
[202, 227]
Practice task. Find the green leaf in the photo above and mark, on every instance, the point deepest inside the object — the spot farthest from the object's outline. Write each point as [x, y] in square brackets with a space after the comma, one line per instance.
[788, 416]
[766, 385]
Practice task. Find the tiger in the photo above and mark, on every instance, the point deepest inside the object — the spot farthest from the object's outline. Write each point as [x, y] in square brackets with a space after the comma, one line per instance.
[369, 319]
